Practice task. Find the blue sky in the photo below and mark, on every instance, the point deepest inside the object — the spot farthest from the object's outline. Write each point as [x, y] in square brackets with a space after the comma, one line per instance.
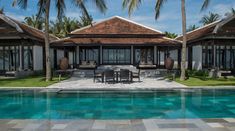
[170, 18]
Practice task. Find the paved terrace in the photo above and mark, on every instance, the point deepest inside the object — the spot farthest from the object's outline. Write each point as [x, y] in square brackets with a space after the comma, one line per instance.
[87, 83]
[227, 124]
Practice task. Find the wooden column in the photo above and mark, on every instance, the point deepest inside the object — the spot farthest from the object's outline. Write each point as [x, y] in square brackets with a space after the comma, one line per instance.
[155, 55]
[101, 55]
[21, 58]
[132, 55]
[78, 54]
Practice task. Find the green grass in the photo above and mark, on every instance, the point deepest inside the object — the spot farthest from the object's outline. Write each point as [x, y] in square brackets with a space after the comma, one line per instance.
[32, 81]
[199, 81]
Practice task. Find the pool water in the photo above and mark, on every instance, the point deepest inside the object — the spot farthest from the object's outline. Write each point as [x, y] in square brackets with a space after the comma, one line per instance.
[167, 104]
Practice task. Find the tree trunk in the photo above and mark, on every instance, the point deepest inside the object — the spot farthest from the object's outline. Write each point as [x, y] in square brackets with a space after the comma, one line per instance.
[47, 42]
[183, 64]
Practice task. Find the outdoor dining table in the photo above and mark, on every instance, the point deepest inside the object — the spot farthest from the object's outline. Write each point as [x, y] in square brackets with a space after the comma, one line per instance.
[116, 75]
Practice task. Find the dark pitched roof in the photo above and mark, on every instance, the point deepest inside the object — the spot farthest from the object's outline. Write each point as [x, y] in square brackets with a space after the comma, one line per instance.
[120, 31]
[116, 25]
[11, 27]
[213, 28]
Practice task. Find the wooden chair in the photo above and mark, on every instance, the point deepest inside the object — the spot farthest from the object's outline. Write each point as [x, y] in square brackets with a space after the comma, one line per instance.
[136, 75]
[109, 76]
[125, 75]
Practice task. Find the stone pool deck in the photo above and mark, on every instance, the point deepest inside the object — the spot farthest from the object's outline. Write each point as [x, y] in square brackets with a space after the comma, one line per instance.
[227, 124]
[145, 83]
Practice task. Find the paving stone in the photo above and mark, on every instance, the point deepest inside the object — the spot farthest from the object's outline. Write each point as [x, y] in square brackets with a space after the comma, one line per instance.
[215, 125]
[59, 126]
[215, 120]
[231, 120]
[150, 125]
[179, 125]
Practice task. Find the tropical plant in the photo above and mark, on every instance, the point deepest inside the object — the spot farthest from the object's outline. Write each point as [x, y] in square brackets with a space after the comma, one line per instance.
[84, 21]
[171, 35]
[133, 4]
[2, 10]
[61, 28]
[210, 18]
[44, 10]
[35, 22]
[192, 27]
[231, 13]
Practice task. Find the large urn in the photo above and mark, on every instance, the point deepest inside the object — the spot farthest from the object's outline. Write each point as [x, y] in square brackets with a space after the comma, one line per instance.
[169, 63]
[64, 63]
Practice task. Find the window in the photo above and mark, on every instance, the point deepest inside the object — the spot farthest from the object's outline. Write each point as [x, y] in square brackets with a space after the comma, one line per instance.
[89, 54]
[144, 55]
[28, 58]
[9, 58]
[116, 56]
[207, 56]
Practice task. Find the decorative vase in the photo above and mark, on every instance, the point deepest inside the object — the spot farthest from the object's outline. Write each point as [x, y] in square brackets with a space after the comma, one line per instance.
[64, 63]
[169, 63]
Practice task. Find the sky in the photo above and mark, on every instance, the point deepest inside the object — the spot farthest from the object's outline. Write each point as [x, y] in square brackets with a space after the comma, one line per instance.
[169, 20]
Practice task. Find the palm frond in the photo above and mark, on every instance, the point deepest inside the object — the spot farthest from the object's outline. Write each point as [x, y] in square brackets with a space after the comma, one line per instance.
[21, 3]
[158, 6]
[60, 7]
[131, 5]
[205, 4]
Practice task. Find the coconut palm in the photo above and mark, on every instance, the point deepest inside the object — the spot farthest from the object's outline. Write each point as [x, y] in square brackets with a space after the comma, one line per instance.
[133, 4]
[84, 21]
[61, 28]
[170, 35]
[210, 18]
[192, 27]
[231, 13]
[34, 22]
[44, 10]
[2, 10]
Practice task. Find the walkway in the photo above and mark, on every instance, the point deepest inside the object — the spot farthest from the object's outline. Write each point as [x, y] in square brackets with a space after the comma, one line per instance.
[227, 124]
[87, 83]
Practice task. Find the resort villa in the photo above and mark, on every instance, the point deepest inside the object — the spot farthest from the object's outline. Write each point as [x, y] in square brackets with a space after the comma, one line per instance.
[115, 41]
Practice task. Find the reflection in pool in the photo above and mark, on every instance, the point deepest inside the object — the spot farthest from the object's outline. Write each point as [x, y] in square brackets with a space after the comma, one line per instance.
[168, 104]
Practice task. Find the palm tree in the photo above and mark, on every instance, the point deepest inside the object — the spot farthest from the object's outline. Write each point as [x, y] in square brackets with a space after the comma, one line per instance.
[44, 10]
[231, 13]
[34, 22]
[210, 18]
[61, 28]
[2, 11]
[84, 21]
[133, 4]
[171, 35]
[192, 27]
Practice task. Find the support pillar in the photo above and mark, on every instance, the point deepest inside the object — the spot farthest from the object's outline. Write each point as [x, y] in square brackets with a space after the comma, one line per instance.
[132, 55]
[78, 55]
[21, 58]
[101, 55]
[155, 55]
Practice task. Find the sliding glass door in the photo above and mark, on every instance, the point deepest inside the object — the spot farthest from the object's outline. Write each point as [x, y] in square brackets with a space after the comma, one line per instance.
[117, 55]
[89, 54]
[144, 55]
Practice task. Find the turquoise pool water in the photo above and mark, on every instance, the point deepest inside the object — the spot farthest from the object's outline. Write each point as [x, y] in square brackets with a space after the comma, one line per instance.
[168, 104]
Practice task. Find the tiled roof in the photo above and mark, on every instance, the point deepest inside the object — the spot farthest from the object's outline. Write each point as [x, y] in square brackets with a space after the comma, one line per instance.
[116, 25]
[16, 27]
[119, 31]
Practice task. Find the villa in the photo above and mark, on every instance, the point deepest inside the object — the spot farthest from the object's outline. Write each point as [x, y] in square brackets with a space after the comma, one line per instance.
[21, 48]
[118, 41]
[212, 46]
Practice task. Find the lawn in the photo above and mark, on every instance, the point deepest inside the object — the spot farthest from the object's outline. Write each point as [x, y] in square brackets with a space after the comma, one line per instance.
[199, 81]
[32, 81]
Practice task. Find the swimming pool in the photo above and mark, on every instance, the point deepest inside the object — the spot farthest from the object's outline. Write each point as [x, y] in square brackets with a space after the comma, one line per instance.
[167, 104]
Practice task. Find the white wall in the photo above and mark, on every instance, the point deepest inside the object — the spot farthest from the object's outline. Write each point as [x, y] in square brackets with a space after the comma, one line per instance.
[38, 58]
[197, 57]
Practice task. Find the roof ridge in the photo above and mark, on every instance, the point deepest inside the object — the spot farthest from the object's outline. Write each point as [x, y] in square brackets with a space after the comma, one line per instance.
[211, 24]
[119, 17]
